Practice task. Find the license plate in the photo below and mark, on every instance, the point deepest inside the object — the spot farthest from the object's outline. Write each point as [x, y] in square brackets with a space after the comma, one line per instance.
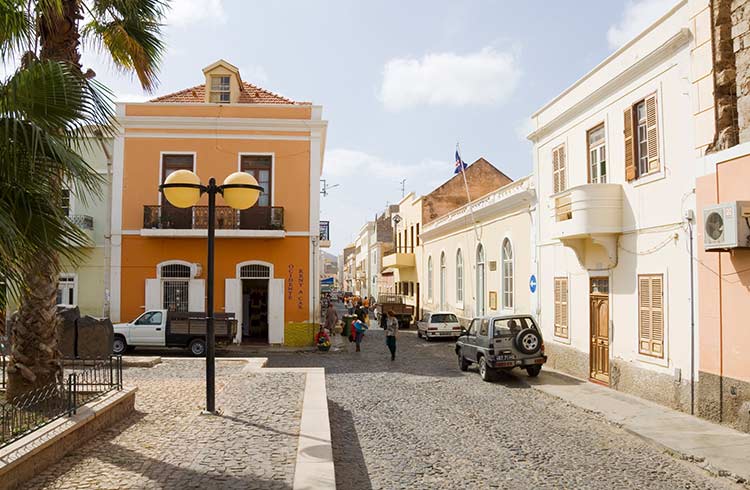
[505, 357]
[504, 364]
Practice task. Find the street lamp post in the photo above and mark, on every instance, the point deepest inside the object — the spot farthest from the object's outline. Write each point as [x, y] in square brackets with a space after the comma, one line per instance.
[183, 190]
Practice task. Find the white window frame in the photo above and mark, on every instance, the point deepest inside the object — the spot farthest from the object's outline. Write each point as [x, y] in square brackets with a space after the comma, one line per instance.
[273, 168]
[595, 153]
[481, 288]
[161, 167]
[429, 278]
[640, 124]
[73, 286]
[443, 280]
[162, 280]
[212, 91]
[509, 263]
[459, 279]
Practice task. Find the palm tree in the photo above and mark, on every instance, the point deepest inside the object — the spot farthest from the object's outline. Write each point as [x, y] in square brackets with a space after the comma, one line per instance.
[46, 35]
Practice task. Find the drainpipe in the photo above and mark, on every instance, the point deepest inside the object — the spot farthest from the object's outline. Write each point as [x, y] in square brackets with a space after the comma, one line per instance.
[689, 218]
[107, 227]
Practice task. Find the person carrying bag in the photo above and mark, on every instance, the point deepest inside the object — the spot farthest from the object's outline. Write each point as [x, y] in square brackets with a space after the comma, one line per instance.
[360, 328]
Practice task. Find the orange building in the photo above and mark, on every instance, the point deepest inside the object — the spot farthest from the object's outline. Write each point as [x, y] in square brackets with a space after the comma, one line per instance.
[266, 256]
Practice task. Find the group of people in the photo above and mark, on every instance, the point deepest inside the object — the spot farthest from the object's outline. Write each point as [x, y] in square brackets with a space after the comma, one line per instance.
[360, 326]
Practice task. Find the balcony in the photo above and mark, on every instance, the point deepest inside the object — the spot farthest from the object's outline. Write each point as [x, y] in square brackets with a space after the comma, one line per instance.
[325, 237]
[588, 218]
[86, 225]
[259, 221]
[399, 261]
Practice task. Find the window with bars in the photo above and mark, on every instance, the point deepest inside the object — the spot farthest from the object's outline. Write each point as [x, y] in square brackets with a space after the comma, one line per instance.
[561, 307]
[651, 315]
[66, 290]
[220, 91]
[255, 271]
[507, 274]
[175, 283]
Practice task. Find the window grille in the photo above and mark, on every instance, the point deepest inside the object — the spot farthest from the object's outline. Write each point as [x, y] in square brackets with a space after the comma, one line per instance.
[175, 270]
[175, 286]
[255, 271]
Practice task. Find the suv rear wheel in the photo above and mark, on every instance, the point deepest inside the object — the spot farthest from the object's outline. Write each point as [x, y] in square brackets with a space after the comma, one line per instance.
[534, 371]
[463, 364]
[485, 372]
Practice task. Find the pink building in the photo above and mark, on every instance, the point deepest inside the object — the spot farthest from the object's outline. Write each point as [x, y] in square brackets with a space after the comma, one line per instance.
[723, 271]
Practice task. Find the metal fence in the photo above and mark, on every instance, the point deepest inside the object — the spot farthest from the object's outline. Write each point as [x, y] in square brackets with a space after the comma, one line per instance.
[85, 381]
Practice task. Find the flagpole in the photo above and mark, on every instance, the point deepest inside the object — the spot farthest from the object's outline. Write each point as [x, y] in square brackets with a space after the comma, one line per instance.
[468, 196]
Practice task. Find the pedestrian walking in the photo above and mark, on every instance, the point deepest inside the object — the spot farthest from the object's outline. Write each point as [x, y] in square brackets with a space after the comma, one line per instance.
[332, 317]
[391, 332]
[360, 328]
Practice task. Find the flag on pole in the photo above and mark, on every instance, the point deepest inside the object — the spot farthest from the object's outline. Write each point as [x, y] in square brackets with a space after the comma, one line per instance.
[460, 164]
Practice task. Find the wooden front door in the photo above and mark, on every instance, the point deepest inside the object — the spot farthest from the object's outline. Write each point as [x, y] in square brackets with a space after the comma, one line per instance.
[599, 318]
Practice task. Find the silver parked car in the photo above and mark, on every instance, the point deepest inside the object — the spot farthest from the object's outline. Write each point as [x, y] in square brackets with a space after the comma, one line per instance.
[438, 324]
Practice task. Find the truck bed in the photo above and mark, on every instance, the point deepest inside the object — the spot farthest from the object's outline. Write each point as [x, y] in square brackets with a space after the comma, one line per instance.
[193, 324]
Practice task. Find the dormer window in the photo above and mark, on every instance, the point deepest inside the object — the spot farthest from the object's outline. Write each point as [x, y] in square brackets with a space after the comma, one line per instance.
[220, 89]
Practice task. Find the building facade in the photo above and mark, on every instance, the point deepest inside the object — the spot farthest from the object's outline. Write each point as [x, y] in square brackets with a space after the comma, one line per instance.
[615, 187]
[477, 259]
[403, 261]
[267, 256]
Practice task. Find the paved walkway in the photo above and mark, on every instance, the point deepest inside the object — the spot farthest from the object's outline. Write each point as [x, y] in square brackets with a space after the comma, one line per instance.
[168, 444]
[420, 423]
[720, 449]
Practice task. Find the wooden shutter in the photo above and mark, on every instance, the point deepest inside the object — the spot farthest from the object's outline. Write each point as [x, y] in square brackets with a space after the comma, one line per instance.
[555, 171]
[561, 307]
[652, 133]
[651, 315]
[563, 169]
[630, 169]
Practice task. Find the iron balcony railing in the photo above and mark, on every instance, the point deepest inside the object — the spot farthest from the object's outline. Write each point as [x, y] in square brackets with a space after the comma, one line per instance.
[325, 228]
[167, 217]
[85, 381]
[83, 221]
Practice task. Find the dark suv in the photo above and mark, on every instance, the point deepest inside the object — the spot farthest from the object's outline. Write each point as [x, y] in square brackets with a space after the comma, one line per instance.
[501, 343]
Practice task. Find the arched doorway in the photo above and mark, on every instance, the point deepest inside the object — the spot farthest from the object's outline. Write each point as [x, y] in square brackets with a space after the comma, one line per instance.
[254, 277]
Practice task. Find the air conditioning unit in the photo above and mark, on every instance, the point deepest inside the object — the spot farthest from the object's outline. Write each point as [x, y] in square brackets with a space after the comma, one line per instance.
[726, 226]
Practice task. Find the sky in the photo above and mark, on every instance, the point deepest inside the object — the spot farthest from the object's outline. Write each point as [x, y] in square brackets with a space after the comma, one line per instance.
[401, 83]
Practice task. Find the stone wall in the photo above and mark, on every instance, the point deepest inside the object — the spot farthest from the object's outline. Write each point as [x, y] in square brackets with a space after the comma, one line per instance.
[740, 30]
[482, 178]
[723, 400]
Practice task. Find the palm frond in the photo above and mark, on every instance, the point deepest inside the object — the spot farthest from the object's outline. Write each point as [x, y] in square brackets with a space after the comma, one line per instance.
[130, 32]
[16, 27]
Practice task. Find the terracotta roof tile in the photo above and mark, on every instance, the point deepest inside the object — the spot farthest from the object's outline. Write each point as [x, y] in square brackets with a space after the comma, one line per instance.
[250, 94]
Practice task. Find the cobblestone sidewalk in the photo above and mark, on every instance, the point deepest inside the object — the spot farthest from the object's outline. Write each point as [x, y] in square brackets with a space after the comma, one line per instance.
[168, 444]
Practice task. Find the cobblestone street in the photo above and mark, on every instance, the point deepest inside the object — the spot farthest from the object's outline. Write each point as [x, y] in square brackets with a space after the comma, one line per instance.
[421, 423]
[166, 443]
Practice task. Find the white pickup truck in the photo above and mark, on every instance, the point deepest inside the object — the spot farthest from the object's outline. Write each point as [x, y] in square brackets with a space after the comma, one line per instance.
[162, 328]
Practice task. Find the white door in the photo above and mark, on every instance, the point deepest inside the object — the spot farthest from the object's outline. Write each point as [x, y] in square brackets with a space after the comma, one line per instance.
[275, 311]
[197, 295]
[153, 295]
[149, 329]
[232, 302]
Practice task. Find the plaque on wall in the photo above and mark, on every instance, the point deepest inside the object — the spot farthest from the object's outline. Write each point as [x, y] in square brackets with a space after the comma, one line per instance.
[493, 265]
[493, 300]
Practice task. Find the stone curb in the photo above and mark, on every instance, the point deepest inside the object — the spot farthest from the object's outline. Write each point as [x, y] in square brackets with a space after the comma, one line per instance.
[314, 468]
[714, 466]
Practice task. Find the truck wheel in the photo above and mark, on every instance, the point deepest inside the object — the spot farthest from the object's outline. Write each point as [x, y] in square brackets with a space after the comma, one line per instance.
[463, 364]
[419, 333]
[119, 346]
[198, 347]
[486, 373]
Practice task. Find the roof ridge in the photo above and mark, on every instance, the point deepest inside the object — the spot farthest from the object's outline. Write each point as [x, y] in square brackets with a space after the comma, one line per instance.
[261, 89]
[179, 92]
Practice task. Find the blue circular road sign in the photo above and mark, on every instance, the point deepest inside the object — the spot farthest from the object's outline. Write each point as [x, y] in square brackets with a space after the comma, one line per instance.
[532, 283]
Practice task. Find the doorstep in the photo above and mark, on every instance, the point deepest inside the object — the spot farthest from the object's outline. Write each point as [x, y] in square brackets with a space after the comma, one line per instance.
[718, 449]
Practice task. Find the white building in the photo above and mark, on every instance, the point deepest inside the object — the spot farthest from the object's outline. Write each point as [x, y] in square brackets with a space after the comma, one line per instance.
[613, 163]
[405, 258]
[478, 259]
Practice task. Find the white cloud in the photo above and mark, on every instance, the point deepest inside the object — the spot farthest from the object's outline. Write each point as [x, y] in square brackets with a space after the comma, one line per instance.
[638, 15]
[342, 162]
[448, 79]
[186, 12]
[133, 97]
[525, 128]
[255, 74]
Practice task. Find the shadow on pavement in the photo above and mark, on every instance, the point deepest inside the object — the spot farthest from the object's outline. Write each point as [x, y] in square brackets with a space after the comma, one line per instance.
[349, 461]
